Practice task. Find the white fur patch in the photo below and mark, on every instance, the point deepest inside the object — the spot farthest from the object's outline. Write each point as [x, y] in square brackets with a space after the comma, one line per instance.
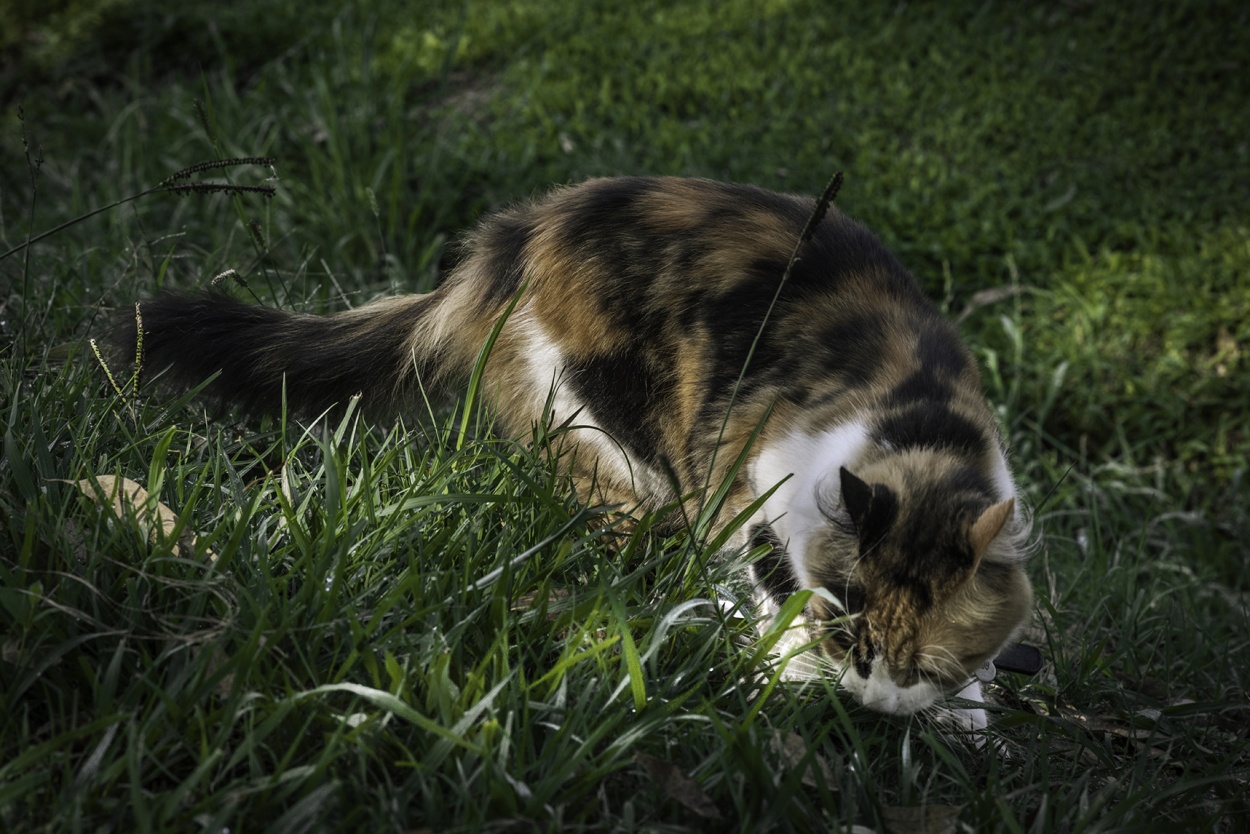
[546, 368]
[809, 463]
[1002, 477]
[878, 691]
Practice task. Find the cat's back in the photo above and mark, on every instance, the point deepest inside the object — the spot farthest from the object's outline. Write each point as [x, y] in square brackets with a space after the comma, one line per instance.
[674, 239]
[649, 304]
[639, 259]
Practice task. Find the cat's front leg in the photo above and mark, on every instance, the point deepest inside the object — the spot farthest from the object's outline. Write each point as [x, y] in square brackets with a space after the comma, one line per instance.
[972, 720]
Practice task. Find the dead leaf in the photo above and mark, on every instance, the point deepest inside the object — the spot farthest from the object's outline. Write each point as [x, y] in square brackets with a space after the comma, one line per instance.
[129, 501]
[1149, 740]
[533, 599]
[76, 539]
[678, 785]
[792, 749]
[217, 660]
[922, 819]
[1083, 755]
[985, 298]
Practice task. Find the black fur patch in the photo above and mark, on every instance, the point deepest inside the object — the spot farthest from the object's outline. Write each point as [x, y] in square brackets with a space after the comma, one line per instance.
[873, 509]
[920, 386]
[844, 248]
[940, 352]
[685, 254]
[732, 201]
[854, 598]
[863, 657]
[623, 395]
[604, 224]
[772, 568]
[261, 352]
[809, 277]
[926, 425]
[604, 216]
[626, 299]
[968, 479]
[852, 347]
[734, 319]
[915, 583]
[504, 246]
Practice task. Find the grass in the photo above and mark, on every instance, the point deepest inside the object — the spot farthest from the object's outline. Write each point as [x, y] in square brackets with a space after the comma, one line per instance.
[407, 628]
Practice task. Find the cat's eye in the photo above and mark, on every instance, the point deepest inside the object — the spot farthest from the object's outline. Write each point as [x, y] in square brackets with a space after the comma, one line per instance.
[849, 598]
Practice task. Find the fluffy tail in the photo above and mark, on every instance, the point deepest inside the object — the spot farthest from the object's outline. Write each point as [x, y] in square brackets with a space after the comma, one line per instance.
[265, 354]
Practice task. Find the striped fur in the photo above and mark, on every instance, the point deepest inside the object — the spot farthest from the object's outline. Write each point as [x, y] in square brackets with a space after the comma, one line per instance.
[639, 302]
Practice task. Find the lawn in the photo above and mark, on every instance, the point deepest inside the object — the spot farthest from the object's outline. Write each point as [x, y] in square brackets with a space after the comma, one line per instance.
[415, 627]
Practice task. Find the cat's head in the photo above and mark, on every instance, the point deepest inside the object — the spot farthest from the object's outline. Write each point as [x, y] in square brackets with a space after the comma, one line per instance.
[925, 582]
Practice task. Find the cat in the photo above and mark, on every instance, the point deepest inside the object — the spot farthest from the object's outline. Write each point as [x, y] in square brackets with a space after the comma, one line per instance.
[651, 317]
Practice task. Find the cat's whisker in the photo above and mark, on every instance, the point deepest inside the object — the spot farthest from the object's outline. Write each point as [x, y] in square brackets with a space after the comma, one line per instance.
[944, 663]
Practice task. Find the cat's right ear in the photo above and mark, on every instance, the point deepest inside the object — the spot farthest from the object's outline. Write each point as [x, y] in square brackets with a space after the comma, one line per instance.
[872, 507]
[988, 525]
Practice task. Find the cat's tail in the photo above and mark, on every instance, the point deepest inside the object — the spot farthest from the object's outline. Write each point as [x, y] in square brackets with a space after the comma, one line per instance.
[266, 358]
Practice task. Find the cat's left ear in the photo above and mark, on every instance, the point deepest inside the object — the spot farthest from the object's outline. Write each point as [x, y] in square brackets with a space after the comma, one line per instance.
[872, 507]
[987, 527]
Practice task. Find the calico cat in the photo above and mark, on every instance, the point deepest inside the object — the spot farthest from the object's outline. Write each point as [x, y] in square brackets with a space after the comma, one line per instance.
[651, 316]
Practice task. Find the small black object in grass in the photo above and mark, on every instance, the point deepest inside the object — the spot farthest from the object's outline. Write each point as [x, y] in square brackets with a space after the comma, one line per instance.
[1018, 657]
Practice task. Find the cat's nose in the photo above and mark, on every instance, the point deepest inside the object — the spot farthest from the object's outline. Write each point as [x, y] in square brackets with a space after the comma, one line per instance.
[883, 700]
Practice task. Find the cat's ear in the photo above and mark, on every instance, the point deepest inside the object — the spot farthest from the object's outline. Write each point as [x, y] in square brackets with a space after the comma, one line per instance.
[872, 508]
[987, 527]
[856, 495]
